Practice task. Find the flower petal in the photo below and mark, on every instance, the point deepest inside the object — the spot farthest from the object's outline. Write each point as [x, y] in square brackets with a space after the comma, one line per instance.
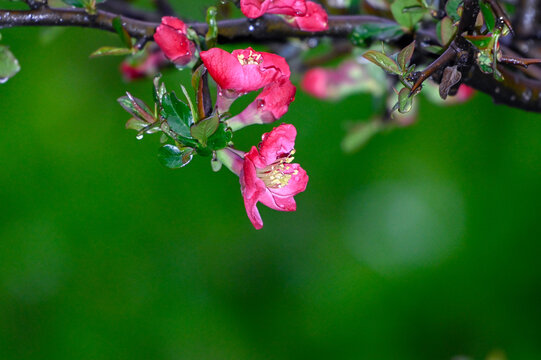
[278, 143]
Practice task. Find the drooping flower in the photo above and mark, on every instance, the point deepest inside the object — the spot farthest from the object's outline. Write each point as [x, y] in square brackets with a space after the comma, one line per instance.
[148, 67]
[244, 70]
[172, 39]
[349, 78]
[270, 105]
[256, 8]
[315, 19]
[269, 176]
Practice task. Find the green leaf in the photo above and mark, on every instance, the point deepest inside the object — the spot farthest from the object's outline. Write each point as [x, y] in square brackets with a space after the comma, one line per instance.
[488, 15]
[407, 13]
[172, 157]
[364, 34]
[445, 30]
[212, 33]
[220, 138]
[451, 8]
[405, 101]
[205, 128]
[480, 41]
[484, 60]
[382, 60]
[177, 114]
[195, 114]
[434, 49]
[158, 89]
[136, 107]
[110, 50]
[404, 56]
[9, 66]
[136, 124]
[76, 3]
[359, 134]
[122, 32]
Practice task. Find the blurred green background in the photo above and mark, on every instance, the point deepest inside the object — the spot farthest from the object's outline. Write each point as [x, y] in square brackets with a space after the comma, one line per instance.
[424, 245]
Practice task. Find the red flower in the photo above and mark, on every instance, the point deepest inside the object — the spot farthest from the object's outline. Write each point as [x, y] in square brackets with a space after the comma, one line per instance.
[244, 70]
[315, 19]
[269, 177]
[270, 105]
[256, 8]
[172, 39]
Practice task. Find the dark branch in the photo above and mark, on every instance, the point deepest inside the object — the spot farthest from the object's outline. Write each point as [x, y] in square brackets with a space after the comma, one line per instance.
[264, 29]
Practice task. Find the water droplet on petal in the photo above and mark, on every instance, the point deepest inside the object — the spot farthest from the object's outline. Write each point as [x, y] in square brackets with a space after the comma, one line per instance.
[260, 103]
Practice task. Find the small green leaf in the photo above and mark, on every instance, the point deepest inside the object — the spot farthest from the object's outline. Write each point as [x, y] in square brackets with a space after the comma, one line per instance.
[136, 107]
[158, 89]
[484, 60]
[451, 8]
[177, 114]
[136, 124]
[382, 60]
[488, 15]
[220, 138]
[195, 114]
[480, 41]
[9, 66]
[359, 134]
[212, 33]
[405, 101]
[172, 157]
[205, 128]
[76, 3]
[122, 32]
[445, 31]
[364, 34]
[404, 56]
[434, 49]
[196, 76]
[110, 50]
[403, 14]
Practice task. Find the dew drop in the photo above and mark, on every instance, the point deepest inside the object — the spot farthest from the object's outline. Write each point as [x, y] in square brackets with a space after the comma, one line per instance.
[3, 79]
[527, 95]
[251, 28]
[260, 103]
[139, 136]
[312, 42]
[497, 90]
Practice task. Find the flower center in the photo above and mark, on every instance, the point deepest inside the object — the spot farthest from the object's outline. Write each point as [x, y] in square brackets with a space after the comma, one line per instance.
[251, 59]
[278, 174]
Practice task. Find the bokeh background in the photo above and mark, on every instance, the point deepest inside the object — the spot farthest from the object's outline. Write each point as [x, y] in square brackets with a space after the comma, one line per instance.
[423, 245]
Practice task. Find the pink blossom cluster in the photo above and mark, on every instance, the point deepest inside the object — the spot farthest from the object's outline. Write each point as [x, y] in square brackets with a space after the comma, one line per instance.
[266, 173]
[301, 14]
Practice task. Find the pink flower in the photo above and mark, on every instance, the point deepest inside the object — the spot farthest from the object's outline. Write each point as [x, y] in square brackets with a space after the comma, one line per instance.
[269, 177]
[349, 78]
[270, 105]
[315, 19]
[146, 68]
[172, 39]
[256, 8]
[316, 82]
[464, 93]
[244, 70]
